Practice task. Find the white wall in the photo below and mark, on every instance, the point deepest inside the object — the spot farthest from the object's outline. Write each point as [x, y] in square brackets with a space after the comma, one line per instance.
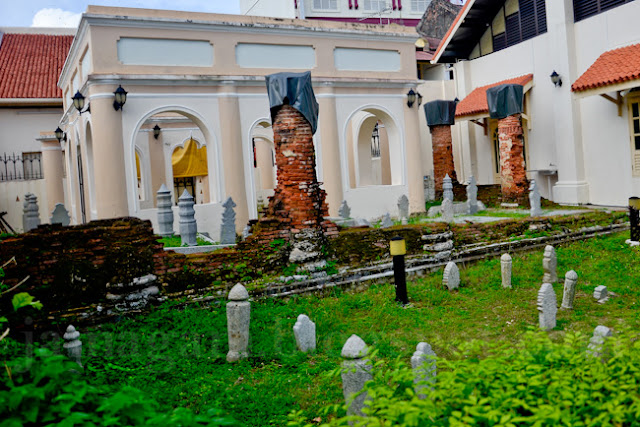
[272, 8]
[12, 200]
[21, 126]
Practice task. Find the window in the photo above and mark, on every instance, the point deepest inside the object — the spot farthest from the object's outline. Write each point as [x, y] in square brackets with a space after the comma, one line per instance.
[32, 165]
[325, 4]
[375, 5]
[375, 142]
[419, 5]
[585, 8]
[181, 184]
[634, 117]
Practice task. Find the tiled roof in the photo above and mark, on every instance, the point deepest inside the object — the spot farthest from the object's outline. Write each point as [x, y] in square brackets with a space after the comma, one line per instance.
[476, 101]
[615, 66]
[423, 56]
[30, 65]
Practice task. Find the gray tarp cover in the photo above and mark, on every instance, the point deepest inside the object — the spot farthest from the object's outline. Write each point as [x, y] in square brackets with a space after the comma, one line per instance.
[440, 112]
[504, 100]
[297, 89]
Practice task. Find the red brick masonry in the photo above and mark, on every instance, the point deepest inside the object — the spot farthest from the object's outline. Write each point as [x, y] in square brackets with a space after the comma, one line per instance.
[513, 177]
[442, 154]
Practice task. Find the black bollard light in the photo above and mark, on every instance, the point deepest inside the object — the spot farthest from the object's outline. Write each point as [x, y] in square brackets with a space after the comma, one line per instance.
[634, 218]
[398, 249]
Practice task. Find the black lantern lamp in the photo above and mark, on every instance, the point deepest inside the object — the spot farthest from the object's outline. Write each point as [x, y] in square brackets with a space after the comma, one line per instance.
[121, 98]
[419, 99]
[556, 79]
[78, 102]
[156, 131]
[60, 135]
[411, 98]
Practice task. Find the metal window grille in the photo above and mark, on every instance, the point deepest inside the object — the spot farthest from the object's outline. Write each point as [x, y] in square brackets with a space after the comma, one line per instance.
[375, 142]
[375, 5]
[585, 8]
[181, 184]
[325, 4]
[16, 167]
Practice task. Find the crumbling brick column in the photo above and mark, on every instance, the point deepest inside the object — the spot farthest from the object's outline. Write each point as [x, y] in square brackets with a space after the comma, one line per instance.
[441, 142]
[513, 177]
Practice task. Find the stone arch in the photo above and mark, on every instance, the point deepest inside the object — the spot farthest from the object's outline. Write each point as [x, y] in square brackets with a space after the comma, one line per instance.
[358, 148]
[216, 172]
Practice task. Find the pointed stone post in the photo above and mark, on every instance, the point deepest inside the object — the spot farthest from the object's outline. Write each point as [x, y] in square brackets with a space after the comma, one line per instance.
[60, 216]
[228, 228]
[447, 188]
[534, 199]
[547, 307]
[31, 215]
[440, 116]
[188, 226]
[72, 345]
[472, 196]
[505, 268]
[238, 320]
[570, 280]
[423, 363]
[345, 210]
[356, 371]
[165, 212]
[403, 208]
[549, 264]
[506, 104]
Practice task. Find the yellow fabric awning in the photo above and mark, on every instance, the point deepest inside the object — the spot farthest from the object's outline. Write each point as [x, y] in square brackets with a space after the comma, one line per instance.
[189, 161]
[138, 165]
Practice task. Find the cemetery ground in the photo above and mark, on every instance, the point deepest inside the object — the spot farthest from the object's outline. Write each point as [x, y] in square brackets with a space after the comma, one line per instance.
[176, 353]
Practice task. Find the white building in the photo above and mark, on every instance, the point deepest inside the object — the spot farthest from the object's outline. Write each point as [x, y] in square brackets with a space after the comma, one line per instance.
[580, 147]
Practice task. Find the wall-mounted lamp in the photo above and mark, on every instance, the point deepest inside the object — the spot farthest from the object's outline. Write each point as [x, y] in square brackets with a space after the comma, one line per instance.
[419, 98]
[78, 102]
[60, 134]
[556, 79]
[156, 131]
[456, 100]
[121, 98]
[411, 98]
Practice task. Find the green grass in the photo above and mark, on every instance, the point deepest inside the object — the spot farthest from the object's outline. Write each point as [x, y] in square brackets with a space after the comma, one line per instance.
[501, 213]
[174, 241]
[177, 355]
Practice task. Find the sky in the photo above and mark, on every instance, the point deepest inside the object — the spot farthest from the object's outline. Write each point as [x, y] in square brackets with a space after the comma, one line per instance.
[66, 13]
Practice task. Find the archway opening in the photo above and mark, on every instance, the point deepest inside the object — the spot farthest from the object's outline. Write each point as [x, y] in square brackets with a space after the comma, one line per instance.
[264, 163]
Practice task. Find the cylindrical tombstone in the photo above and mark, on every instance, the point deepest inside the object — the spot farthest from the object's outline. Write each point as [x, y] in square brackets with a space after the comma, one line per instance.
[472, 196]
[165, 212]
[423, 363]
[505, 268]
[238, 319]
[447, 188]
[188, 226]
[549, 265]
[356, 371]
[570, 280]
[72, 345]
[634, 218]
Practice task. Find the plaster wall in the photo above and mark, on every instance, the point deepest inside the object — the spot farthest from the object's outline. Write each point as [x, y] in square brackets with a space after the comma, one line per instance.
[22, 126]
[12, 200]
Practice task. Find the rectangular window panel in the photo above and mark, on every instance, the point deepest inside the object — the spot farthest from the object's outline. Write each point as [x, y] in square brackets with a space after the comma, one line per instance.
[528, 19]
[513, 29]
[165, 52]
[635, 109]
[366, 59]
[499, 42]
[254, 55]
[541, 16]
[585, 8]
[325, 4]
[375, 5]
[636, 126]
[637, 139]
[419, 5]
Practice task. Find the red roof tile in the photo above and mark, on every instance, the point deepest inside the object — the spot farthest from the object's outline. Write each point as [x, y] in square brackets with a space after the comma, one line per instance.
[30, 65]
[476, 101]
[615, 66]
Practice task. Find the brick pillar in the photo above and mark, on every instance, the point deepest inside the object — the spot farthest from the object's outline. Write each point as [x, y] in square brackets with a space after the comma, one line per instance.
[513, 177]
[442, 154]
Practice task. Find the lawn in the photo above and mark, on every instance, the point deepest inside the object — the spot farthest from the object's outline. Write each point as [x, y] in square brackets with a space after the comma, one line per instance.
[176, 354]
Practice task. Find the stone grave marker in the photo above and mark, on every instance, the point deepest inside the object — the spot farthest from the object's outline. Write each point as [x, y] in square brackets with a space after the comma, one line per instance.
[238, 320]
[186, 213]
[246, 232]
[228, 228]
[451, 276]
[547, 307]
[472, 196]
[423, 363]
[72, 345]
[403, 208]
[31, 212]
[600, 334]
[549, 264]
[345, 210]
[569, 294]
[447, 210]
[59, 215]
[386, 221]
[505, 269]
[165, 211]
[534, 199]
[447, 188]
[305, 332]
[356, 371]
[601, 294]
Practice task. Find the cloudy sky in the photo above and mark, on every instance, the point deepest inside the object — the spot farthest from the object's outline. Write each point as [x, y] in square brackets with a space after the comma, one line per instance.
[66, 13]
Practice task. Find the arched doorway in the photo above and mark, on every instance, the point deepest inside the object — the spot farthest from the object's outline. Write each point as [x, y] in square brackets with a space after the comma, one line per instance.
[264, 164]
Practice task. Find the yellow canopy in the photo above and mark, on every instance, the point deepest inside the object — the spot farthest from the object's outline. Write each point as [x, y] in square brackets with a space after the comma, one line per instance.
[138, 165]
[190, 160]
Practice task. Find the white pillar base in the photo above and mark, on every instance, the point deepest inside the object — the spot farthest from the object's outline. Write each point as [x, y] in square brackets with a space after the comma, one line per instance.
[571, 192]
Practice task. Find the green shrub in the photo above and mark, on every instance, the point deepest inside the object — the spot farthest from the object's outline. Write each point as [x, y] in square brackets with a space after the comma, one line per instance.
[535, 383]
[49, 390]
